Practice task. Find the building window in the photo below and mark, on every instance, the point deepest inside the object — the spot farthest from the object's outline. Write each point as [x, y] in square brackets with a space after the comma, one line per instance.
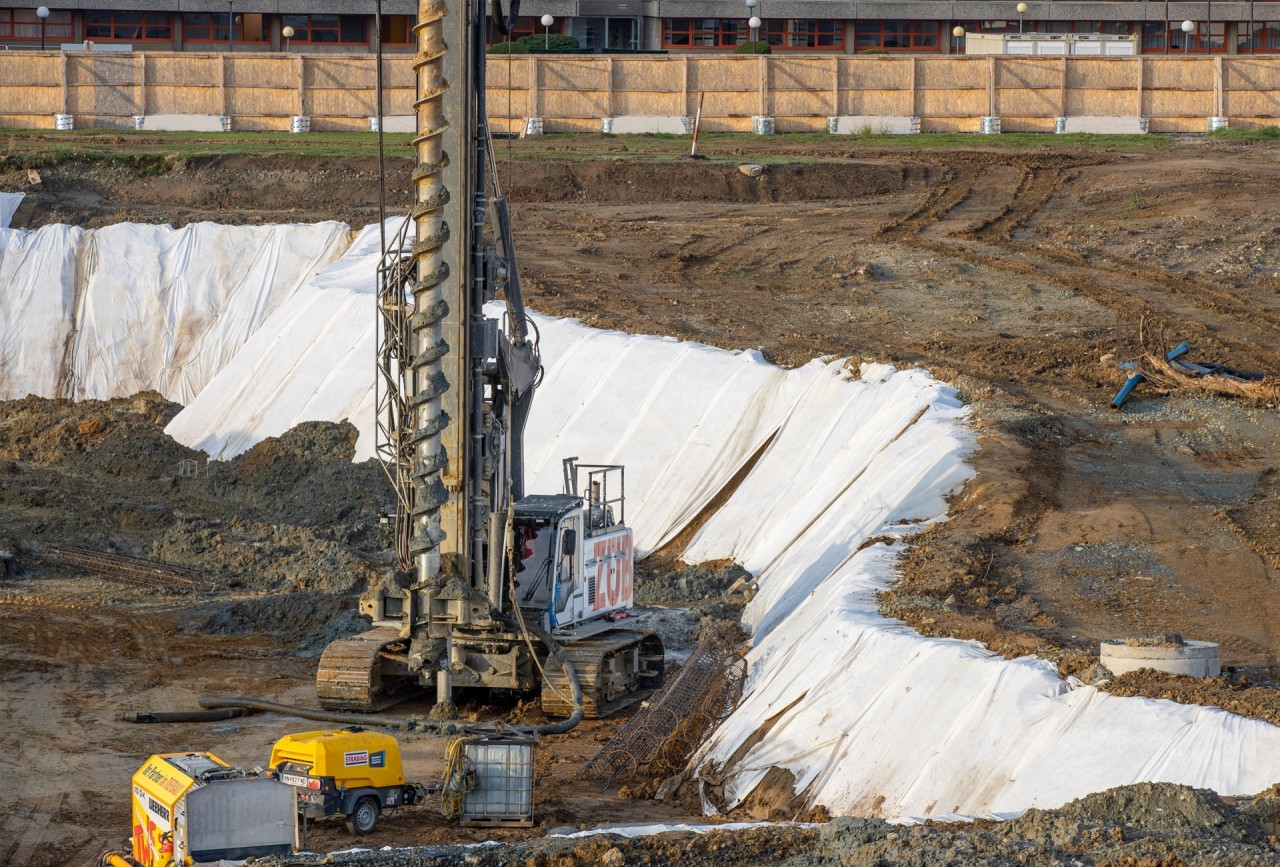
[898, 35]
[212, 27]
[25, 24]
[1114, 28]
[328, 29]
[1161, 37]
[787, 33]
[1265, 37]
[703, 32]
[128, 26]
[398, 29]
[526, 25]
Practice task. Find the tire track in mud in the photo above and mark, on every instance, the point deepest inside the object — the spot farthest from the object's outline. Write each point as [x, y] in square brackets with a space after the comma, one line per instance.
[1116, 282]
[956, 186]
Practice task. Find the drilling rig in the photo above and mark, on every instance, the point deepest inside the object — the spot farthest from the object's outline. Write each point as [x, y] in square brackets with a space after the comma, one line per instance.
[497, 589]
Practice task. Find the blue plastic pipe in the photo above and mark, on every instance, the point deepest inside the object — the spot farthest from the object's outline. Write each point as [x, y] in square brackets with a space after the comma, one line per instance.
[1125, 390]
[1132, 382]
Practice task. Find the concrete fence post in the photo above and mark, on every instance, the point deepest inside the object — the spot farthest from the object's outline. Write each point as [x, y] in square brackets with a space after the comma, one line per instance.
[991, 87]
[913, 88]
[608, 87]
[64, 72]
[535, 95]
[301, 72]
[1142, 85]
[1062, 89]
[684, 84]
[1219, 98]
[764, 85]
[140, 79]
[223, 95]
[835, 84]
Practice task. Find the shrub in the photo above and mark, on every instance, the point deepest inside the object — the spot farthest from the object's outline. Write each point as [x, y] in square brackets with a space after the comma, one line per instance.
[874, 51]
[509, 48]
[757, 47]
[552, 42]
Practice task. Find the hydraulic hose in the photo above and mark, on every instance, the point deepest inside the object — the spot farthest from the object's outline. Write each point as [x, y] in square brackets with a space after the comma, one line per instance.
[184, 716]
[356, 719]
[557, 654]
[574, 718]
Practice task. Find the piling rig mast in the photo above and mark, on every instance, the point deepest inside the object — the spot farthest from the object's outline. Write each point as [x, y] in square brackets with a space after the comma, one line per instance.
[492, 582]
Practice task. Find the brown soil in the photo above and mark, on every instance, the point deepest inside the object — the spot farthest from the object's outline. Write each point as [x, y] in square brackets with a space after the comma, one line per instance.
[1019, 277]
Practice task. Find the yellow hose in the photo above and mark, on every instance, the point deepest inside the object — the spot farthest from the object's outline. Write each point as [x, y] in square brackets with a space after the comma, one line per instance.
[118, 859]
[452, 787]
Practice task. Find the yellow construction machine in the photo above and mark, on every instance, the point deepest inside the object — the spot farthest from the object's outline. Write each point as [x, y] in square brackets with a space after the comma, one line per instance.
[193, 808]
[352, 772]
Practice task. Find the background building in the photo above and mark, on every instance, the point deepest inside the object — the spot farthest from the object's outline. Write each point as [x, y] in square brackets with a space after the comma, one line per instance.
[919, 26]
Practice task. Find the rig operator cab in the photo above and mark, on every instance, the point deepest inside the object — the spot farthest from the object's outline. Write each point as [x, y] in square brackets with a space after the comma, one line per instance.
[574, 555]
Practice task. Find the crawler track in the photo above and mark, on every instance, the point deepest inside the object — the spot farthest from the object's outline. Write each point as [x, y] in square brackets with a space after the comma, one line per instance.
[350, 675]
[604, 665]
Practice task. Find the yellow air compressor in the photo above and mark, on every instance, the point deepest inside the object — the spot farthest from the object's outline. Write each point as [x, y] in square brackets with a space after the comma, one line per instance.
[351, 771]
[191, 808]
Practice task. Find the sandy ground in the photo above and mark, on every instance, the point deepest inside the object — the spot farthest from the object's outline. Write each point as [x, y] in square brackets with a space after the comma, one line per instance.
[1021, 277]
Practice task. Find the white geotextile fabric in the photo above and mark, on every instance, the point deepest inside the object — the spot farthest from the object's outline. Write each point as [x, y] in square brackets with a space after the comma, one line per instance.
[311, 360]
[133, 307]
[868, 715]
[8, 205]
[166, 308]
[859, 708]
[37, 307]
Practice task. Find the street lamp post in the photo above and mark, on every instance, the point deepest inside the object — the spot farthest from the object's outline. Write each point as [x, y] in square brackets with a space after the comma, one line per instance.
[231, 24]
[753, 21]
[1187, 27]
[1022, 10]
[958, 33]
[287, 33]
[43, 14]
[547, 21]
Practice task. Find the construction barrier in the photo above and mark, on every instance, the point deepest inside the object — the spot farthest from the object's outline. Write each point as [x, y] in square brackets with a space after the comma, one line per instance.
[574, 93]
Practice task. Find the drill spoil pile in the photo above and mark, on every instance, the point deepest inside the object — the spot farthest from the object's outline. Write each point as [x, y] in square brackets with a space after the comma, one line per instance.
[841, 707]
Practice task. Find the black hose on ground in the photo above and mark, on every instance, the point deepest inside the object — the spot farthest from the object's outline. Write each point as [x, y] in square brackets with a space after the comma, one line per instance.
[184, 716]
[575, 686]
[350, 719]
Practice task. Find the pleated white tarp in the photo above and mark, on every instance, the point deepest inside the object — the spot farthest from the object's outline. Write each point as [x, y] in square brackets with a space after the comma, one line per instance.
[37, 309]
[9, 203]
[132, 307]
[865, 713]
[313, 359]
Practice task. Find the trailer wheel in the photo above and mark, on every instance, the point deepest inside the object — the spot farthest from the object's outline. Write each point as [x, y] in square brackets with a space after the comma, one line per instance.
[364, 818]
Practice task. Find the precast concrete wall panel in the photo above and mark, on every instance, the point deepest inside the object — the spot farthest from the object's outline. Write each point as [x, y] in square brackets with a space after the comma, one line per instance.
[184, 84]
[577, 90]
[947, 93]
[101, 86]
[30, 88]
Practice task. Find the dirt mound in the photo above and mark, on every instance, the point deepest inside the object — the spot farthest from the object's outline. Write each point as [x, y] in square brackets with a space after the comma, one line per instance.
[654, 583]
[1160, 825]
[264, 556]
[637, 182]
[309, 619]
[1233, 695]
[305, 477]
[119, 437]
[1147, 808]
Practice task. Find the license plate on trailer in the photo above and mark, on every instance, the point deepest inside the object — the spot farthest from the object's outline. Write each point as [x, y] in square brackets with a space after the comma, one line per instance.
[294, 780]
